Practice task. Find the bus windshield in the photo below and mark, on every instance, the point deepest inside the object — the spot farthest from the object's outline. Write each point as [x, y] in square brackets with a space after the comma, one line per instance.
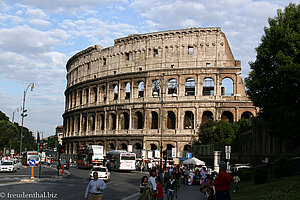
[126, 157]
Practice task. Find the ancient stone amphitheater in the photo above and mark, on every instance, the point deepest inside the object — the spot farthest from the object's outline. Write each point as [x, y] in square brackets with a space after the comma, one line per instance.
[167, 82]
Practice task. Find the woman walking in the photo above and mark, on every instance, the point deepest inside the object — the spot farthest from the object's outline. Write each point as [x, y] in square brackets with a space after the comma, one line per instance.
[171, 188]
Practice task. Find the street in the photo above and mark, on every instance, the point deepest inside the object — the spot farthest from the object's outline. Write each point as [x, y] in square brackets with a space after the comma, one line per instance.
[123, 185]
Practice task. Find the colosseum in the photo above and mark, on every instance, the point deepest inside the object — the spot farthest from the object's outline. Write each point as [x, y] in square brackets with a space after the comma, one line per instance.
[152, 88]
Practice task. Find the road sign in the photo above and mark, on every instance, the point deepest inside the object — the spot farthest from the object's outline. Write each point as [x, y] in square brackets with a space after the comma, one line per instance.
[32, 162]
[12, 152]
[174, 151]
[188, 155]
[227, 149]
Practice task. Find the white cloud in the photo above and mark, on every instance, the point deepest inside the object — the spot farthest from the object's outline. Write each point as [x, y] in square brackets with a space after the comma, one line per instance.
[36, 13]
[40, 23]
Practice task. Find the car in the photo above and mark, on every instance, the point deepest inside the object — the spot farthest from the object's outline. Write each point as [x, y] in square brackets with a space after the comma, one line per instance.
[102, 171]
[7, 166]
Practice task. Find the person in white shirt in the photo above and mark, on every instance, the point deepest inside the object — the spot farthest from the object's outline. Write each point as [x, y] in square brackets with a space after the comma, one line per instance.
[153, 182]
[95, 188]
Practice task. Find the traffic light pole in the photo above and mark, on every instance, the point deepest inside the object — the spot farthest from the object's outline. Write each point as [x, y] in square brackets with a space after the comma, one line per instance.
[40, 167]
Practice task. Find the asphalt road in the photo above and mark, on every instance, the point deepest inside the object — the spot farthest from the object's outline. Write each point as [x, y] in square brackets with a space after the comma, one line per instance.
[122, 186]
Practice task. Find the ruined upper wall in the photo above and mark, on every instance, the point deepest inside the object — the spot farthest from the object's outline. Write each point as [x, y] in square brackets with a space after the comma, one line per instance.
[185, 48]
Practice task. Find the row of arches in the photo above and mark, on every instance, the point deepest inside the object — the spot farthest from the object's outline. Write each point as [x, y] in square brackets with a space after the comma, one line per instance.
[125, 121]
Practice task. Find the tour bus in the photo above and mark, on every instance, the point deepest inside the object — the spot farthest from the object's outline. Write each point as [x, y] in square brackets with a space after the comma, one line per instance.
[121, 160]
[27, 156]
[90, 156]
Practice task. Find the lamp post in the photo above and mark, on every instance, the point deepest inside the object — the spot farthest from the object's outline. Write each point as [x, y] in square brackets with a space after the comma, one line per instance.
[23, 113]
[161, 116]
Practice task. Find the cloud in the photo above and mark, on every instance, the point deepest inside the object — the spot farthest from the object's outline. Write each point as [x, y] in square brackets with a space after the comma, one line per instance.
[40, 23]
[36, 13]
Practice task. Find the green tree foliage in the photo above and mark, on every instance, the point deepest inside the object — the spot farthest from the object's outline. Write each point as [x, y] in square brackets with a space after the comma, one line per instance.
[52, 141]
[8, 132]
[206, 130]
[242, 126]
[224, 133]
[3, 116]
[274, 82]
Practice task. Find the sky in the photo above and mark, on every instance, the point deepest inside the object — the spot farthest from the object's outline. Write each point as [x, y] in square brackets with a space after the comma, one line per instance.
[37, 37]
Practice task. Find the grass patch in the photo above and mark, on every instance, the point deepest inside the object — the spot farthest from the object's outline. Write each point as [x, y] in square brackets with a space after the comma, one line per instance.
[287, 188]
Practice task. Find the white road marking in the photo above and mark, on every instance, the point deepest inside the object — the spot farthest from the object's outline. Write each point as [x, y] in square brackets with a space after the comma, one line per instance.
[131, 196]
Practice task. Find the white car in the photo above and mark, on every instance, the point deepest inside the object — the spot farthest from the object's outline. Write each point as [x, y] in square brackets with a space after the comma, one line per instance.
[103, 173]
[7, 166]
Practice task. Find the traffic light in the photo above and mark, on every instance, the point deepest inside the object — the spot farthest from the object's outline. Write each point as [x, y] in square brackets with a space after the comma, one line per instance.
[165, 157]
[60, 149]
[41, 146]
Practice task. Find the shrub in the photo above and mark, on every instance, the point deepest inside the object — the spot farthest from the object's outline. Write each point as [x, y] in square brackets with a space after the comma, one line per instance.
[282, 167]
[260, 176]
[245, 174]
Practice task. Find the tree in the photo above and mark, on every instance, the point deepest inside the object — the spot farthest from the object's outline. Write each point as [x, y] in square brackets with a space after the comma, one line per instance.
[274, 82]
[8, 132]
[38, 137]
[52, 141]
[3, 116]
[206, 132]
[224, 133]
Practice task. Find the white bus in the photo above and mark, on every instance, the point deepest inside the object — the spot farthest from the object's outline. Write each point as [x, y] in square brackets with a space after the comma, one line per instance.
[121, 160]
[27, 156]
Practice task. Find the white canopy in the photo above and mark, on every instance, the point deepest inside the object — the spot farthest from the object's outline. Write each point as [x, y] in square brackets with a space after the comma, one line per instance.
[193, 161]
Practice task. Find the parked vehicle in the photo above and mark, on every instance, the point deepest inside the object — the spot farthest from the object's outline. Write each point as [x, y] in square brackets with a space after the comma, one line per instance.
[90, 156]
[27, 156]
[103, 173]
[7, 166]
[121, 160]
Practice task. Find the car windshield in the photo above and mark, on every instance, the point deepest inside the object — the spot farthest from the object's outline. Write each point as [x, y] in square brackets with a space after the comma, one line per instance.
[7, 163]
[99, 169]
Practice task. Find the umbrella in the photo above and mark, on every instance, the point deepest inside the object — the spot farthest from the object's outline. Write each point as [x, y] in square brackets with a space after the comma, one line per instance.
[193, 161]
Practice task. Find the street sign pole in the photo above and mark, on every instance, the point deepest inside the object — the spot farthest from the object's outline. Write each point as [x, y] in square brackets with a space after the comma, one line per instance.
[32, 163]
[40, 167]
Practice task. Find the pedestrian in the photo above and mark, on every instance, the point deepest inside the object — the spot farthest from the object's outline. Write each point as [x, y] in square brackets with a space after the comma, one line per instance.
[159, 189]
[171, 188]
[95, 188]
[146, 190]
[236, 180]
[153, 182]
[222, 183]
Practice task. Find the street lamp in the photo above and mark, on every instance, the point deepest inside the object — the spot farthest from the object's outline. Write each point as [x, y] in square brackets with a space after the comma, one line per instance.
[23, 112]
[161, 116]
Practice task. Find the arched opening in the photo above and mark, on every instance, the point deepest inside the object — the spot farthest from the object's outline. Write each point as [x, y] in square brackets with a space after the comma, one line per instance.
[155, 88]
[92, 124]
[153, 147]
[111, 146]
[84, 123]
[116, 92]
[188, 120]
[102, 122]
[124, 121]
[154, 120]
[206, 116]
[113, 121]
[138, 146]
[172, 86]
[187, 148]
[139, 122]
[123, 147]
[171, 120]
[247, 115]
[141, 89]
[189, 87]
[227, 87]
[208, 87]
[127, 95]
[227, 116]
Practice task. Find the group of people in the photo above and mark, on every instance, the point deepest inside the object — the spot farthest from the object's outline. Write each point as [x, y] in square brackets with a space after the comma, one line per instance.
[159, 184]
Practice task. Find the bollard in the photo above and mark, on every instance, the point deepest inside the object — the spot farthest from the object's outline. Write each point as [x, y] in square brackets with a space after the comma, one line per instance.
[32, 172]
[63, 169]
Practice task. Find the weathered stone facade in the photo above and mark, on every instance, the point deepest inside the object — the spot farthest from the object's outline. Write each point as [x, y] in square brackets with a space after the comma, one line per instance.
[114, 95]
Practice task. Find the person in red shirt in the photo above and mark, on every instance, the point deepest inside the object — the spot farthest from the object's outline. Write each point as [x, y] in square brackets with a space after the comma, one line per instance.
[222, 183]
[159, 189]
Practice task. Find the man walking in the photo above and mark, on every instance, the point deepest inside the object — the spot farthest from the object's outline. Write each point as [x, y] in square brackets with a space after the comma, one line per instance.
[222, 183]
[95, 188]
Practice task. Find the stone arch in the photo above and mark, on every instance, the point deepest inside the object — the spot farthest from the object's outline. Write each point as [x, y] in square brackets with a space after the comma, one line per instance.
[92, 123]
[190, 87]
[111, 146]
[153, 147]
[124, 121]
[141, 89]
[227, 88]
[170, 146]
[127, 90]
[171, 120]
[187, 147]
[208, 87]
[112, 121]
[138, 120]
[246, 115]
[227, 116]
[154, 120]
[116, 91]
[172, 86]
[155, 88]
[188, 122]
[137, 146]
[102, 122]
[206, 116]
[123, 146]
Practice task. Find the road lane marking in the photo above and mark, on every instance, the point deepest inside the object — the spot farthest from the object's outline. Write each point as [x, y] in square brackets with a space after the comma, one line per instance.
[13, 183]
[131, 196]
